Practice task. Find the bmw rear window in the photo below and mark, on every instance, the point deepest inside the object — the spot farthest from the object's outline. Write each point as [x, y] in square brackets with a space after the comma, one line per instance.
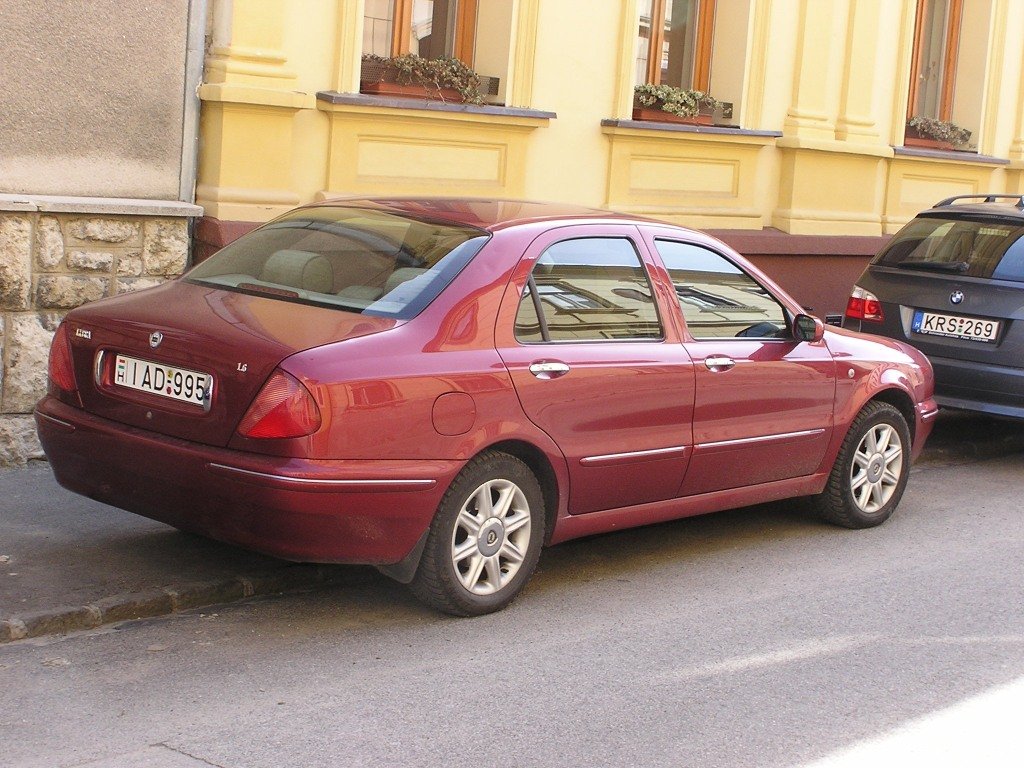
[975, 247]
[360, 260]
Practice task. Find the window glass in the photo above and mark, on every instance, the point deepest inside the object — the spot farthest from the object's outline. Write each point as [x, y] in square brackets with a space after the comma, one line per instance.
[675, 42]
[589, 289]
[354, 259]
[977, 248]
[718, 299]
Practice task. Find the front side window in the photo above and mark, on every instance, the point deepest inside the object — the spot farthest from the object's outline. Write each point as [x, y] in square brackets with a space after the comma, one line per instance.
[360, 260]
[588, 289]
[976, 248]
[717, 298]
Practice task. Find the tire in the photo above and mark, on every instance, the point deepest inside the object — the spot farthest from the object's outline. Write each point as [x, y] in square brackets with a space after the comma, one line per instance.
[485, 539]
[870, 473]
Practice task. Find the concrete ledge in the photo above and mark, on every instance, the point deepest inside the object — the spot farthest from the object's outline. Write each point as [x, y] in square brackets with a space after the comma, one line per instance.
[162, 602]
[111, 206]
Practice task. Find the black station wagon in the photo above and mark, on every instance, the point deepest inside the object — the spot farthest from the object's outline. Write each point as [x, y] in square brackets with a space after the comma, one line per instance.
[951, 283]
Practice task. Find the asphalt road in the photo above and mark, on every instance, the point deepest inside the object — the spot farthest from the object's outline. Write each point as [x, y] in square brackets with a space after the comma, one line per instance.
[756, 637]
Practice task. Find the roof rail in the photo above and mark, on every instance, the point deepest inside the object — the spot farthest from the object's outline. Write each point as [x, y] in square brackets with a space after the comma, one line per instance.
[984, 198]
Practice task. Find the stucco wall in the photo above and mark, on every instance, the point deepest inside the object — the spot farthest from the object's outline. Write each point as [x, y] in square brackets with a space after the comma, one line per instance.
[93, 97]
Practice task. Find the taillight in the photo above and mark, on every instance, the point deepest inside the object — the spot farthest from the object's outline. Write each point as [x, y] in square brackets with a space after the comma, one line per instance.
[864, 305]
[283, 408]
[61, 368]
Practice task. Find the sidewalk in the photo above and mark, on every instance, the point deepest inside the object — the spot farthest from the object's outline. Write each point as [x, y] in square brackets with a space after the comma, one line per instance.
[69, 563]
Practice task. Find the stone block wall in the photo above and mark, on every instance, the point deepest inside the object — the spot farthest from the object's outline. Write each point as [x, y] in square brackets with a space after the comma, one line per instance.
[51, 263]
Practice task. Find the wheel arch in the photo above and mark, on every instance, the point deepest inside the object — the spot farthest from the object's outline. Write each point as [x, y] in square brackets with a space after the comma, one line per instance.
[539, 463]
[902, 402]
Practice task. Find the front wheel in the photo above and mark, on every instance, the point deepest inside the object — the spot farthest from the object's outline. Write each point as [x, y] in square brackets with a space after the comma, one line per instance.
[871, 470]
[485, 539]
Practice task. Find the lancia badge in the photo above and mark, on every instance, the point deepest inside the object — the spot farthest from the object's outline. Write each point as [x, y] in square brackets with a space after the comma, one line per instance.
[155, 338]
[956, 297]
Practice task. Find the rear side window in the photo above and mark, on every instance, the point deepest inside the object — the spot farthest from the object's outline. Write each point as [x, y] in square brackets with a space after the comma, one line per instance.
[972, 247]
[588, 289]
[353, 259]
[718, 299]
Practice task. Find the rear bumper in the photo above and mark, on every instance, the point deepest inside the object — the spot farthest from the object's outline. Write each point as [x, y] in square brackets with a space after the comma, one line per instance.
[371, 512]
[972, 386]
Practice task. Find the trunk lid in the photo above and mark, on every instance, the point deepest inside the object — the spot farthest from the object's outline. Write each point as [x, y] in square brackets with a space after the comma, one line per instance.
[903, 293]
[236, 338]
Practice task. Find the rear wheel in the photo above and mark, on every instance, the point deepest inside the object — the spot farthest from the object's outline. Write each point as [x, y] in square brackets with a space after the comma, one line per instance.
[871, 470]
[485, 539]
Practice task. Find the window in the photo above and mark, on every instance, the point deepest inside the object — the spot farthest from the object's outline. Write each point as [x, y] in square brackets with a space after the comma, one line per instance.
[590, 289]
[428, 28]
[718, 299]
[933, 69]
[675, 43]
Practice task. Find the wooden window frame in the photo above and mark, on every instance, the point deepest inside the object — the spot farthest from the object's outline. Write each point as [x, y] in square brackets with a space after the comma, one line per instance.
[951, 52]
[465, 29]
[702, 45]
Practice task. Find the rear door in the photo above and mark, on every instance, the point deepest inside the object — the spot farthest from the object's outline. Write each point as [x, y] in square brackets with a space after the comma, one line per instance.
[580, 333]
[764, 401]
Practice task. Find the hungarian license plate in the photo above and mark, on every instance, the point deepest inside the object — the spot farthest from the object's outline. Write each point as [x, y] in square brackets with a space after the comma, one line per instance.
[163, 380]
[955, 326]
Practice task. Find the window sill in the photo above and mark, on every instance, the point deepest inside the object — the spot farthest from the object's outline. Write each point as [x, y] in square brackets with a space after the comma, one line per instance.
[946, 154]
[429, 105]
[719, 130]
[107, 206]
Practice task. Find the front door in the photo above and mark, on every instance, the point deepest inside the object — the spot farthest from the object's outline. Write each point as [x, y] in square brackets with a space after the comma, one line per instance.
[764, 400]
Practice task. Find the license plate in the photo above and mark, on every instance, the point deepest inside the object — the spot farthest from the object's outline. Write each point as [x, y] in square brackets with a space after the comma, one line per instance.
[163, 380]
[955, 326]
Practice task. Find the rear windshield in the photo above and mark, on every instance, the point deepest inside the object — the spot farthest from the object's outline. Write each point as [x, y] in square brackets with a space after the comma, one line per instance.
[972, 247]
[353, 259]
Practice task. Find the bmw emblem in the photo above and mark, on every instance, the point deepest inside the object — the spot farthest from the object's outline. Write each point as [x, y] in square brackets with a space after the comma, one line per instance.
[956, 297]
[155, 338]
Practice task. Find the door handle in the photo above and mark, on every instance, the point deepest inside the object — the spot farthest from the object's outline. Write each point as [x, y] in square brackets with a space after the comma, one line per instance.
[549, 370]
[717, 364]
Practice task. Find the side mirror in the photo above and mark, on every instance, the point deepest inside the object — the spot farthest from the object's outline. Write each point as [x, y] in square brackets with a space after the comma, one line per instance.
[807, 328]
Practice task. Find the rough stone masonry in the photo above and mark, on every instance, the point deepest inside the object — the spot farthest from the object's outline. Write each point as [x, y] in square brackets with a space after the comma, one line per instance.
[51, 263]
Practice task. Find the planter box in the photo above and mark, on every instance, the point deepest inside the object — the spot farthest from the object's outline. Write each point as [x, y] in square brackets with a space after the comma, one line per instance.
[706, 116]
[411, 91]
[380, 78]
[914, 138]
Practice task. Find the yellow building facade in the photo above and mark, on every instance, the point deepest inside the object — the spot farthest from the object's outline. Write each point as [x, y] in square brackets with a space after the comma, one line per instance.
[814, 167]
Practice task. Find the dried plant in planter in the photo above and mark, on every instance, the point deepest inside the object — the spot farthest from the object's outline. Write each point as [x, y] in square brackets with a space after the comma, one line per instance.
[433, 75]
[675, 101]
[940, 130]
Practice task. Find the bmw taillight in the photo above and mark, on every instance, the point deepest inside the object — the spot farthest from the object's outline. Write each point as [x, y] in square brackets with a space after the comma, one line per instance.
[864, 305]
[283, 408]
[61, 369]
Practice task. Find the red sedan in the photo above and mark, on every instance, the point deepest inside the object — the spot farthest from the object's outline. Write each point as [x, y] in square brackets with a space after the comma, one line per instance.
[442, 387]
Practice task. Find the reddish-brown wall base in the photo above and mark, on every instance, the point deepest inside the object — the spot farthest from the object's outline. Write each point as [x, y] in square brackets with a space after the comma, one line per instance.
[816, 270]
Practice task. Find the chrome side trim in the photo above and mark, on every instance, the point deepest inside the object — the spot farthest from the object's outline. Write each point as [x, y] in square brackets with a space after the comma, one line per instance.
[59, 422]
[929, 415]
[612, 457]
[403, 484]
[762, 439]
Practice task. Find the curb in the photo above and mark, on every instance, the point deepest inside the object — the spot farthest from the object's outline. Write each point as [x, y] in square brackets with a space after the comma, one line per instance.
[162, 602]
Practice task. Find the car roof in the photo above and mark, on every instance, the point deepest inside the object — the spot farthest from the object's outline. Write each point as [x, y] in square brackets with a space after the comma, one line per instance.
[487, 214]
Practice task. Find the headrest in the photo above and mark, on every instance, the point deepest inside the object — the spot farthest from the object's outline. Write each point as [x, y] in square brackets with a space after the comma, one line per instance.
[401, 275]
[299, 269]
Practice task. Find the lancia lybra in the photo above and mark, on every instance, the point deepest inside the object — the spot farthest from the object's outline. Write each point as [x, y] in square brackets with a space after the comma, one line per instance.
[440, 388]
